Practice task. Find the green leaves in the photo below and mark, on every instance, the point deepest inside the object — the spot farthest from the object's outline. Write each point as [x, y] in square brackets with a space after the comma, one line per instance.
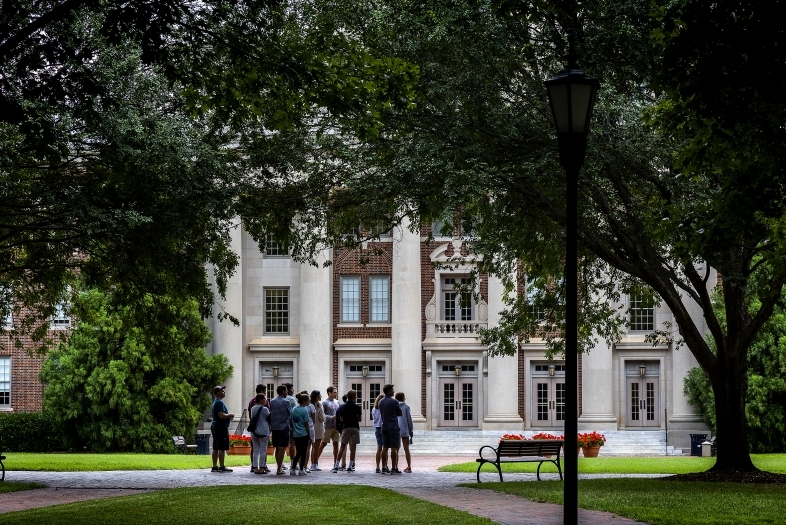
[132, 373]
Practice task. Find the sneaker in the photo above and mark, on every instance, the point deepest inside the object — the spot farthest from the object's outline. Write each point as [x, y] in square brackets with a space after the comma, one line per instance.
[395, 471]
[385, 470]
[224, 469]
[280, 473]
[265, 470]
[342, 467]
[334, 470]
[316, 468]
[253, 470]
[284, 467]
[214, 469]
[306, 470]
[408, 470]
[379, 471]
[351, 467]
[293, 472]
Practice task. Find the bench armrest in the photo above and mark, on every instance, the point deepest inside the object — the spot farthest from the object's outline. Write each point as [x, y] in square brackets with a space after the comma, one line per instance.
[493, 451]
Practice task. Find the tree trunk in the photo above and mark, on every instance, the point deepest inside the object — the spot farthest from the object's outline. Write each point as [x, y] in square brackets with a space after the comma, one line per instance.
[730, 389]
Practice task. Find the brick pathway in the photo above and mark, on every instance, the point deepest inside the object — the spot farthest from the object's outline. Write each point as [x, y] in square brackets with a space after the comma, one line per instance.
[425, 483]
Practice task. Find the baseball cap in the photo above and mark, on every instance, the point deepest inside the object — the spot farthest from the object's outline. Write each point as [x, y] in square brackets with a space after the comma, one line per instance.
[219, 387]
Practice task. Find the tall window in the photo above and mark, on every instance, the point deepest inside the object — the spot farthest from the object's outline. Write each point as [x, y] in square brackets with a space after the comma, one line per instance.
[5, 381]
[642, 313]
[61, 318]
[441, 228]
[537, 311]
[350, 299]
[380, 298]
[274, 248]
[7, 319]
[276, 310]
[456, 305]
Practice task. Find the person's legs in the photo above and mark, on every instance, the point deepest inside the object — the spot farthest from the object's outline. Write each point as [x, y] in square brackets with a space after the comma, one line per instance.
[343, 457]
[301, 447]
[255, 465]
[335, 452]
[378, 436]
[263, 452]
[405, 445]
[280, 458]
[394, 458]
[341, 451]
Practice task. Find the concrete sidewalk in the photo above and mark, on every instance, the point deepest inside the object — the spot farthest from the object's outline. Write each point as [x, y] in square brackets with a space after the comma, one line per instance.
[424, 483]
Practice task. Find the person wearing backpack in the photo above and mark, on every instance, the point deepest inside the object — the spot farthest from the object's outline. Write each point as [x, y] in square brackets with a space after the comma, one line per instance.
[260, 433]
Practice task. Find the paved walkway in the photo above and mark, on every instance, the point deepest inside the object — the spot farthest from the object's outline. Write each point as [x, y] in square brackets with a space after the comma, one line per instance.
[425, 483]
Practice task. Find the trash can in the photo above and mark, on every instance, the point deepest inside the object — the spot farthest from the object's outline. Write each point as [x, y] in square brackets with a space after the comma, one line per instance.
[203, 444]
[695, 443]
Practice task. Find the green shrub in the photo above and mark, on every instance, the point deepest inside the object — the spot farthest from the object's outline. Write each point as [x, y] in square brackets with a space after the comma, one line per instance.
[30, 432]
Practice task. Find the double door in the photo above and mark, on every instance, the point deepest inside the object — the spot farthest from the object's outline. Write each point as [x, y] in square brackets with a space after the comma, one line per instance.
[458, 403]
[273, 375]
[548, 395]
[643, 406]
[368, 388]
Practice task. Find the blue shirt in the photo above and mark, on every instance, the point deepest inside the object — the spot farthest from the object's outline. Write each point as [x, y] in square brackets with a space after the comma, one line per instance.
[279, 413]
[300, 419]
[389, 409]
[219, 406]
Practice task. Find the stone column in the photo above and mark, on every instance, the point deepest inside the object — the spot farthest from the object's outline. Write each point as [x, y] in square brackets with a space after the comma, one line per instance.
[406, 313]
[597, 412]
[315, 326]
[502, 412]
[228, 338]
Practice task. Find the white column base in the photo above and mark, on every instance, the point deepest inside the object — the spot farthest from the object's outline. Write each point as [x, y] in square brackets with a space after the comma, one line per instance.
[597, 422]
[503, 422]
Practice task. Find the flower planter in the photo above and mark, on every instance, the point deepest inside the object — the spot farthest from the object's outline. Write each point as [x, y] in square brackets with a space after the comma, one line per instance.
[271, 450]
[238, 450]
[591, 452]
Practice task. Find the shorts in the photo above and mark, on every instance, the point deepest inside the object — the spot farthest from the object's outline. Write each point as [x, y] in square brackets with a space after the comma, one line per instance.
[378, 435]
[281, 438]
[350, 436]
[391, 438]
[331, 434]
[220, 437]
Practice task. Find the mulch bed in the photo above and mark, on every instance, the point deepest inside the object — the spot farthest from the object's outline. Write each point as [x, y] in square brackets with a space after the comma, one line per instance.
[734, 476]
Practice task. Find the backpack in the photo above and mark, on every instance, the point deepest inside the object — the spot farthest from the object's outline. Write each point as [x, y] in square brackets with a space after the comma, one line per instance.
[338, 423]
[252, 425]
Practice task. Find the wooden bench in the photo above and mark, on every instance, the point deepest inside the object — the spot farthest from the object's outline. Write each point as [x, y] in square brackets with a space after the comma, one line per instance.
[180, 443]
[524, 451]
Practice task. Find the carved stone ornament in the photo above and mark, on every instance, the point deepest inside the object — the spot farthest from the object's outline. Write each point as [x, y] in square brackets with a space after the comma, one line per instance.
[483, 311]
[431, 308]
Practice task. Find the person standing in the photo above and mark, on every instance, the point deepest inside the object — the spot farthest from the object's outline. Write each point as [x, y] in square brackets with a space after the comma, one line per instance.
[377, 417]
[261, 389]
[350, 415]
[260, 435]
[219, 428]
[319, 429]
[405, 428]
[330, 406]
[280, 416]
[391, 437]
[300, 432]
[292, 405]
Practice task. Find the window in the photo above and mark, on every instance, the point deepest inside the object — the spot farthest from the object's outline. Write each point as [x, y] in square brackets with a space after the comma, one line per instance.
[380, 230]
[276, 310]
[642, 313]
[274, 248]
[371, 368]
[456, 305]
[8, 317]
[534, 295]
[350, 299]
[545, 368]
[441, 228]
[380, 298]
[464, 368]
[61, 318]
[5, 381]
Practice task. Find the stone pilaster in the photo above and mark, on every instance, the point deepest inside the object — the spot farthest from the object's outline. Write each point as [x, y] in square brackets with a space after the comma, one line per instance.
[315, 326]
[406, 318]
[597, 392]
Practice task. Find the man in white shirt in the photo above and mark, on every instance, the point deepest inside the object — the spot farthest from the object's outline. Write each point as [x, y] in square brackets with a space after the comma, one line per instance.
[330, 406]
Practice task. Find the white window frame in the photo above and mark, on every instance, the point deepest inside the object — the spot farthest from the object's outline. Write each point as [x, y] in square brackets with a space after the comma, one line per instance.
[382, 302]
[645, 313]
[5, 381]
[61, 319]
[459, 310]
[274, 248]
[274, 323]
[350, 294]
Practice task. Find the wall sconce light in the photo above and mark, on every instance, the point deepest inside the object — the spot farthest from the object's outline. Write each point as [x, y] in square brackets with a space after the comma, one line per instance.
[365, 370]
[275, 370]
[457, 368]
[552, 369]
[642, 369]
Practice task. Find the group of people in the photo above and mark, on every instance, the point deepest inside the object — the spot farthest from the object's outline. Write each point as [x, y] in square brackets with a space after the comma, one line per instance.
[305, 424]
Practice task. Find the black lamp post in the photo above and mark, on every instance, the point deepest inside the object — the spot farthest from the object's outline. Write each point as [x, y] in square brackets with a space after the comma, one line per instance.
[572, 96]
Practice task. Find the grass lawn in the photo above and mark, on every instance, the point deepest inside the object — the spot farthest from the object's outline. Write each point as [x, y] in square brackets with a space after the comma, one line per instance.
[13, 486]
[312, 505]
[664, 502]
[91, 462]
[622, 465]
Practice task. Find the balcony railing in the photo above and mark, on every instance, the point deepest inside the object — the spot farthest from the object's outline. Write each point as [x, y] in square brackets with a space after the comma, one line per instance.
[454, 328]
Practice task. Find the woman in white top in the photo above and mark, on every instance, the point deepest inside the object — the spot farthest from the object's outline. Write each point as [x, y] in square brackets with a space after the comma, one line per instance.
[377, 417]
[319, 428]
[260, 436]
[405, 426]
[311, 413]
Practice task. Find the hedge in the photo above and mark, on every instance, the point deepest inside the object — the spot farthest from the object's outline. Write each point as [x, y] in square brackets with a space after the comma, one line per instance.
[30, 432]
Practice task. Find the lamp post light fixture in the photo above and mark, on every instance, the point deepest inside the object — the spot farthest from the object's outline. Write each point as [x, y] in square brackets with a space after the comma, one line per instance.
[457, 368]
[642, 369]
[552, 369]
[275, 370]
[365, 370]
[571, 96]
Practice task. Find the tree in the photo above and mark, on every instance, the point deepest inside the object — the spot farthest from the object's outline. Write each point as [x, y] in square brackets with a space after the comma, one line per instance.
[122, 132]
[132, 374]
[765, 406]
[657, 210]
